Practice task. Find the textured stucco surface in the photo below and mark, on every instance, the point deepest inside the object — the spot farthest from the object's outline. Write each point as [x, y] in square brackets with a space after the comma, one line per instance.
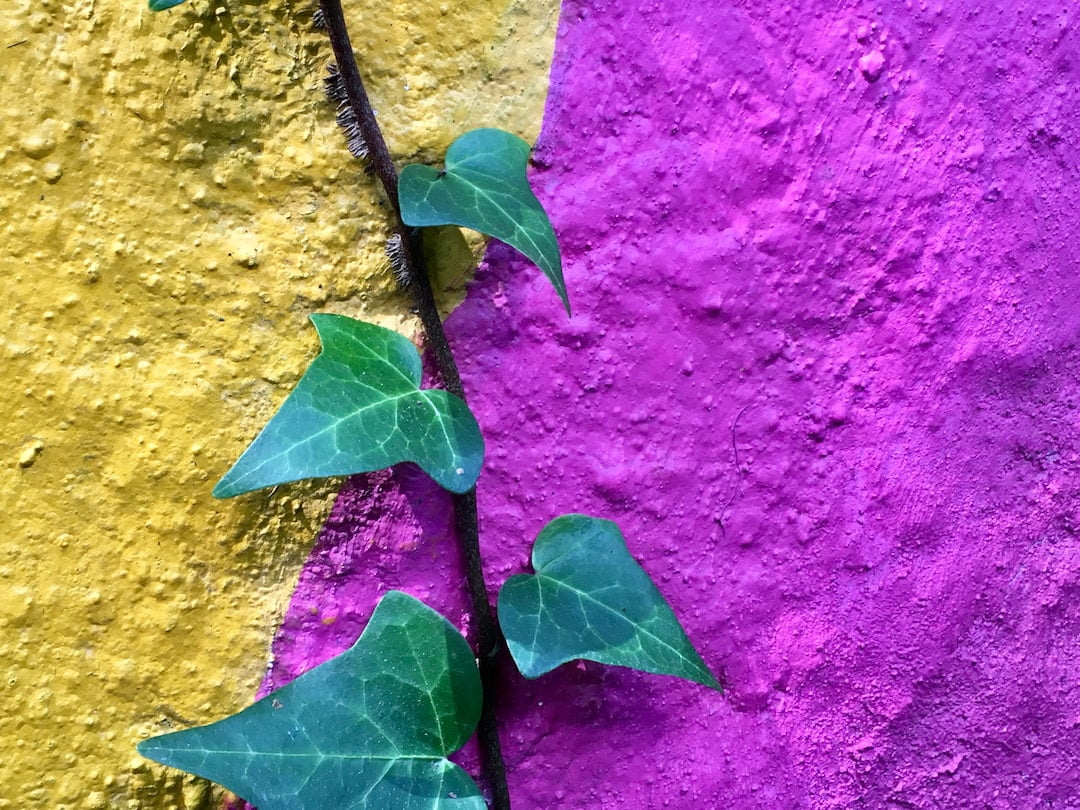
[175, 201]
[823, 370]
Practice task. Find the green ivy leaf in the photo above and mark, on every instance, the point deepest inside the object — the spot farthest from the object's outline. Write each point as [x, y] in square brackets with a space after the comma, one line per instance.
[590, 599]
[161, 5]
[367, 730]
[484, 187]
[359, 408]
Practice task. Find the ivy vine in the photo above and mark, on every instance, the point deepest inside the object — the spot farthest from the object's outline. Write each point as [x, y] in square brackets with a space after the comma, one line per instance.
[372, 728]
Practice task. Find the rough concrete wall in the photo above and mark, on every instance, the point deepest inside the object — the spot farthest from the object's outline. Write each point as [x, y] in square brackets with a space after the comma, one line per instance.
[175, 201]
[823, 370]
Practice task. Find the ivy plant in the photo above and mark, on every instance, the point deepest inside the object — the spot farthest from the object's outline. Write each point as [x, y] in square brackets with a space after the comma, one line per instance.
[358, 408]
[483, 187]
[590, 599]
[373, 727]
[368, 730]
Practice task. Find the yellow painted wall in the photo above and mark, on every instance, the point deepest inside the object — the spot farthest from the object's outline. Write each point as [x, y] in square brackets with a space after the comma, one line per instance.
[175, 200]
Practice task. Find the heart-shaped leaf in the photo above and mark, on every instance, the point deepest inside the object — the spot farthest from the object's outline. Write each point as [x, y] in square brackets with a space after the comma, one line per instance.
[367, 730]
[590, 599]
[484, 187]
[359, 408]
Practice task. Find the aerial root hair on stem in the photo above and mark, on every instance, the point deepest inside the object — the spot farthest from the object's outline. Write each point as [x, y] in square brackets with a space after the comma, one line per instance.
[334, 86]
[399, 263]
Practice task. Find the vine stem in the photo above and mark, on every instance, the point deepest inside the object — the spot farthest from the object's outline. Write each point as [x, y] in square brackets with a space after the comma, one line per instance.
[466, 521]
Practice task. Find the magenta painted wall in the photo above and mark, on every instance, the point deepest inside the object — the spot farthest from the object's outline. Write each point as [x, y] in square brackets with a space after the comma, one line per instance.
[823, 371]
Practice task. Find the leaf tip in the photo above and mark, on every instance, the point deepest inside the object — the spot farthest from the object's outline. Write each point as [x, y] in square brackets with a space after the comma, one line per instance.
[697, 671]
[225, 488]
[150, 748]
[712, 682]
[320, 319]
